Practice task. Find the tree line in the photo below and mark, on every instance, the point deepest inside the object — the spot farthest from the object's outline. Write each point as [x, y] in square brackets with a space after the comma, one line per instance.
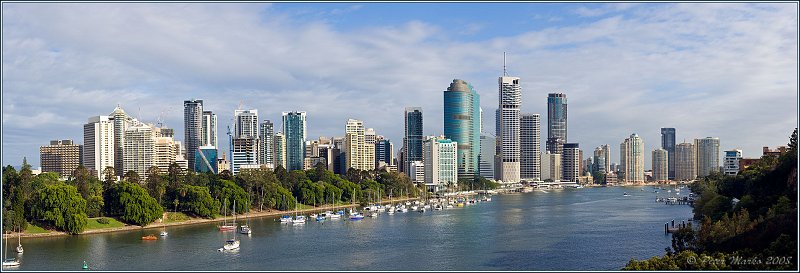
[67, 204]
[747, 221]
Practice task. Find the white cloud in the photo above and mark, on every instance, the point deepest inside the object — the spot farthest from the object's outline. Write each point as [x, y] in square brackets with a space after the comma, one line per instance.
[706, 69]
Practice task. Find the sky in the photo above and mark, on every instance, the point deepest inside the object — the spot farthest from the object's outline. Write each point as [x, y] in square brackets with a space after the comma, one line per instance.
[726, 70]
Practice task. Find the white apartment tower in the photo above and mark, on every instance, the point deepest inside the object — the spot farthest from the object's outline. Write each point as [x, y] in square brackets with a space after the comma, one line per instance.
[685, 169]
[732, 161]
[98, 144]
[139, 149]
[508, 152]
[355, 147]
[707, 152]
[631, 158]
[440, 159]
[209, 130]
[551, 166]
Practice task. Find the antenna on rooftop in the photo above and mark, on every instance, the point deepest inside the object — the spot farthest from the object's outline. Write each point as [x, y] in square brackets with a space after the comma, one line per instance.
[505, 73]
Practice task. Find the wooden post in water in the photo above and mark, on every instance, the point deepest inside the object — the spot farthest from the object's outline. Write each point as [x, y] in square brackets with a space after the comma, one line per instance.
[673, 222]
[666, 228]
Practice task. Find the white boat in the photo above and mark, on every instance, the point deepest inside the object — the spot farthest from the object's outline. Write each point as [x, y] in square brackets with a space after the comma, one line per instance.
[246, 230]
[356, 216]
[626, 194]
[300, 219]
[232, 244]
[390, 212]
[313, 215]
[414, 208]
[10, 262]
[19, 242]
[164, 233]
[336, 216]
[374, 214]
[286, 219]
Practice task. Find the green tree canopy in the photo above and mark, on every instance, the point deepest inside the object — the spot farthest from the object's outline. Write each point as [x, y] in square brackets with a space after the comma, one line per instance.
[61, 206]
[132, 202]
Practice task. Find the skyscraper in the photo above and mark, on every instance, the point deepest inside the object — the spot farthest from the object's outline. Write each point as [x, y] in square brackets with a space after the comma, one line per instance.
[529, 135]
[279, 145]
[121, 122]
[246, 123]
[631, 158]
[244, 141]
[685, 158]
[556, 122]
[193, 128]
[412, 141]
[440, 159]
[384, 152]
[551, 166]
[602, 159]
[461, 125]
[139, 149]
[266, 152]
[370, 139]
[507, 157]
[355, 146]
[209, 134]
[571, 162]
[294, 128]
[98, 144]
[660, 165]
[61, 156]
[707, 155]
[486, 156]
[668, 143]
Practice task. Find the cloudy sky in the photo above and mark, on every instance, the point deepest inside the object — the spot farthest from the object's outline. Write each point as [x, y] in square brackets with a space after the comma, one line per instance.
[722, 70]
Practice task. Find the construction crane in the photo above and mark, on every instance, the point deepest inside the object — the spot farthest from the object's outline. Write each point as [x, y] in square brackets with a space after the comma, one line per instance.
[160, 117]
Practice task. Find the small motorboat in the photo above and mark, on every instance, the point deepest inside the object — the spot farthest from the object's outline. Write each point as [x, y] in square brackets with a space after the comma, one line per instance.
[164, 234]
[626, 194]
[356, 216]
[149, 237]
[10, 262]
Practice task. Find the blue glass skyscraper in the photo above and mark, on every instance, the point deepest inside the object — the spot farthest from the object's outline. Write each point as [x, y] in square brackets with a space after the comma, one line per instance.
[668, 143]
[462, 125]
[556, 122]
[294, 128]
[412, 142]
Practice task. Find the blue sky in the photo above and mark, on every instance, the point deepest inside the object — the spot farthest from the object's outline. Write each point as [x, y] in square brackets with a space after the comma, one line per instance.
[726, 70]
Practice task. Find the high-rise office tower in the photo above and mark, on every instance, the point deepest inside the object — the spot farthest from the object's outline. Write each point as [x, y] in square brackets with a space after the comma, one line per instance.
[631, 159]
[668, 143]
[266, 151]
[486, 156]
[193, 128]
[440, 159]
[61, 156]
[384, 152]
[209, 134]
[139, 149]
[279, 144]
[121, 122]
[529, 135]
[507, 157]
[732, 158]
[294, 128]
[98, 144]
[246, 123]
[660, 165]
[571, 162]
[461, 125]
[412, 140]
[556, 122]
[685, 159]
[707, 155]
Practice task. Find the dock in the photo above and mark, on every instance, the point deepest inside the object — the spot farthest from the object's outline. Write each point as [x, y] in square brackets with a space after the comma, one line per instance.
[671, 228]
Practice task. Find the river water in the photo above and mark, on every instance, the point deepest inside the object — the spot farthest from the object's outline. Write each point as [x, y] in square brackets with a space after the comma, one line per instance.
[569, 229]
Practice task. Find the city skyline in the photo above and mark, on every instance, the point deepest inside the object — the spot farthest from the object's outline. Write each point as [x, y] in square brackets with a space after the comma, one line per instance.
[405, 60]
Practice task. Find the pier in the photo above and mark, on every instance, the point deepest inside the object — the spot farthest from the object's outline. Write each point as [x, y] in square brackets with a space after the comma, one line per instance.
[670, 227]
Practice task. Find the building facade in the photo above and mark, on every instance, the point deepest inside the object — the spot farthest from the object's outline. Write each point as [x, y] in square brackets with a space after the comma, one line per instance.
[121, 123]
[462, 125]
[356, 148]
[660, 165]
[266, 138]
[632, 160]
[209, 130]
[294, 129]
[280, 150]
[508, 117]
[139, 149]
[707, 154]
[487, 156]
[412, 140]
[98, 144]
[440, 159]
[685, 168]
[207, 160]
[61, 156]
[551, 166]
[530, 134]
[668, 143]
[193, 128]
[417, 171]
[244, 152]
[732, 158]
[570, 162]
[556, 122]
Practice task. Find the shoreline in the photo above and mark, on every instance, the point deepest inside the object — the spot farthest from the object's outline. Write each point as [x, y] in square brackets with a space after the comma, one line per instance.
[193, 221]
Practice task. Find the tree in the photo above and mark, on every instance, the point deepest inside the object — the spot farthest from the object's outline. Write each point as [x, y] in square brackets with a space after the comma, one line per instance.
[132, 176]
[227, 190]
[198, 201]
[156, 184]
[109, 178]
[131, 201]
[61, 206]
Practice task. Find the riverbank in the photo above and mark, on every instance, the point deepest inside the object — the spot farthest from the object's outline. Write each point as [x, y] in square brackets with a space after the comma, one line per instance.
[159, 224]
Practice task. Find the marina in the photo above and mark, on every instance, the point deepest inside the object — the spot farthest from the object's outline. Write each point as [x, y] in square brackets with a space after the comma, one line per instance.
[538, 231]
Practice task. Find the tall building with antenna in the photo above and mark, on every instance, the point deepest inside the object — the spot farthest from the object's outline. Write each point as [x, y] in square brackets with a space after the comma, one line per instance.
[507, 156]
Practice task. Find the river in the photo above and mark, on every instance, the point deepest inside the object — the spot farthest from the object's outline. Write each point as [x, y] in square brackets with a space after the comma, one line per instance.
[569, 229]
